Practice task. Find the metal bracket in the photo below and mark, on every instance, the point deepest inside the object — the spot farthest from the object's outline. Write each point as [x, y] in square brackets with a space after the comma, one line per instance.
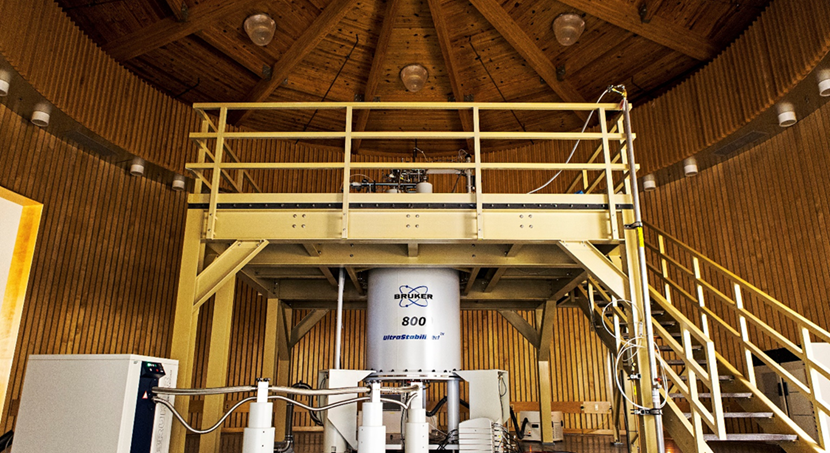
[266, 71]
[560, 73]
[358, 97]
[469, 98]
[633, 226]
[185, 13]
[654, 411]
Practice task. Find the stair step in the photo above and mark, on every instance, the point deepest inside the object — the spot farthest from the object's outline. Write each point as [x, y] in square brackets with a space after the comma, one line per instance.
[695, 347]
[722, 377]
[709, 395]
[762, 437]
[740, 414]
[681, 362]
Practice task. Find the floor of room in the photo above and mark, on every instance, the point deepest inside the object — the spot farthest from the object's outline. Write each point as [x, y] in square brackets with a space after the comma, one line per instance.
[312, 442]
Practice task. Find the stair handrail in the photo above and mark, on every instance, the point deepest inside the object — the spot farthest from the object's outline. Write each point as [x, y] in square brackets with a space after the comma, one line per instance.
[709, 377]
[745, 317]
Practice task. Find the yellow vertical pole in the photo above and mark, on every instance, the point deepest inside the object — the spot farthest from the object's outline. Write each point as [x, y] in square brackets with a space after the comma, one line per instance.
[216, 177]
[217, 364]
[609, 175]
[183, 345]
[347, 171]
[284, 322]
[744, 330]
[477, 155]
[548, 321]
[814, 380]
[661, 243]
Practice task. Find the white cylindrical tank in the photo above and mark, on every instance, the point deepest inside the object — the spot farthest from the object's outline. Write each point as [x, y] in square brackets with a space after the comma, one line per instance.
[413, 321]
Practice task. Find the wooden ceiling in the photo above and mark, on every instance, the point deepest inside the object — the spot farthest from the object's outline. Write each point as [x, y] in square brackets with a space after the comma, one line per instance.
[339, 50]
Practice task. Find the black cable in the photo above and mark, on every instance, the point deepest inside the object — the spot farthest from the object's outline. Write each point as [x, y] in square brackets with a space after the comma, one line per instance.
[437, 406]
[314, 417]
[348, 56]
[478, 57]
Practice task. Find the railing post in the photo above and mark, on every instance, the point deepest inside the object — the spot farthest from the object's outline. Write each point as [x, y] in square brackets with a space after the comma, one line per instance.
[661, 244]
[216, 177]
[479, 191]
[744, 329]
[609, 176]
[197, 186]
[813, 382]
[704, 320]
[347, 160]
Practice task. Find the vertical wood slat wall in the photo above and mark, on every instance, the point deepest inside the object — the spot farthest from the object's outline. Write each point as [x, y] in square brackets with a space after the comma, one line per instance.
[106, 261]
[763, 215]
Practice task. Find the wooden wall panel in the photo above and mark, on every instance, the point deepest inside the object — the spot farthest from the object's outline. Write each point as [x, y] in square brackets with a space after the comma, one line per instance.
[107, 256]
[764, 215]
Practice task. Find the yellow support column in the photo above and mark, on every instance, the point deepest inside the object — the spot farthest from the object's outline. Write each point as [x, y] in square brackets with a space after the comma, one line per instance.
[217, 365]
[283, 365]
[186, 318]
[547, 320]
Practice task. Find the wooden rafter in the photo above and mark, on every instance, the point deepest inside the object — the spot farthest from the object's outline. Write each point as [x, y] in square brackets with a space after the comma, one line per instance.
[647, 8]
[512, 32]
[450, 64]
[247, 59]
[311, 37]
[376, 72]
[169, 30]
[179, 9]
[626, 16]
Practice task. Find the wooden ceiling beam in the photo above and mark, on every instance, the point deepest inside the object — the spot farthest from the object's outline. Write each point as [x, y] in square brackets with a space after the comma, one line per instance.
[179, 8]
[451, 66]
[170, 29]
[376, 72]
[512, 32]
[647, 8]
[658, 30]
[311, 37]
[239, 54]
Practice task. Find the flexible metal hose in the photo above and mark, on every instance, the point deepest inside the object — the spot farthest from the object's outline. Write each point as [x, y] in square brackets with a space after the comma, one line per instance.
[272, 397]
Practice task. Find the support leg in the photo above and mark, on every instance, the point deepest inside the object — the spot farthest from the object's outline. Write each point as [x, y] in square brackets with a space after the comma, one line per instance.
[546, 325]
[217, 366]
[284, 322]
[186, 318]
[453, 407]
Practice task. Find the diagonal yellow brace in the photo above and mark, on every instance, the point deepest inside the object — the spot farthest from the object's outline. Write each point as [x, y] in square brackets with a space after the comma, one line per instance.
[524, 327]
[597, 265]
[225, 267]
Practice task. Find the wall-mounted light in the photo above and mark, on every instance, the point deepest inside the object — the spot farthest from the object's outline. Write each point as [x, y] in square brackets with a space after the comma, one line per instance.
[824, 82]
[41, 114]
[690, 166]
[568, 28]
[786, 114]
[414, 77]
[260, 28]
[649, 183]
[178, 183]
[5, 80]
[137, 167]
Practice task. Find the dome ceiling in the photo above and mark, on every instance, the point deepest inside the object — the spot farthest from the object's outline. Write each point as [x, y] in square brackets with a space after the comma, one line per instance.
[347, 50]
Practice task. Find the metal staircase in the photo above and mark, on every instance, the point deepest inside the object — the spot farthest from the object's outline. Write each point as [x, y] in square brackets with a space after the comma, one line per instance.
[711, 332]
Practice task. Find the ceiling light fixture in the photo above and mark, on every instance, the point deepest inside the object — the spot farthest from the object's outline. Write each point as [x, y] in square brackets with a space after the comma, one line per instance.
[41, 114]
[137, 166]
[5, 79]
[649, 183]
[824, 83]
[568, 28]
[260, 28]
[690, 167]
[786, 114]
[414, 77]
[178, 183]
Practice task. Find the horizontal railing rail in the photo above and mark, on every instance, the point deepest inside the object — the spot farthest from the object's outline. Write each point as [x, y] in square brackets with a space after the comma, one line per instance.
[214, 167]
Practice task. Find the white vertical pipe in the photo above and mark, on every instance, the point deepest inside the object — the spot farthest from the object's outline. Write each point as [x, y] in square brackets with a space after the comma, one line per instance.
[341, 283]
[453, 403]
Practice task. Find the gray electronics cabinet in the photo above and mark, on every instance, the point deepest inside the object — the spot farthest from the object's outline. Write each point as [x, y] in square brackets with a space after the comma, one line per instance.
[94, 403]
[788, 397]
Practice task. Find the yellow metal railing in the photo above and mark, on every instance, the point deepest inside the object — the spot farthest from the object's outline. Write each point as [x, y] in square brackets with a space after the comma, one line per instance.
[691, 338]
[212, 168]
[717, 295]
